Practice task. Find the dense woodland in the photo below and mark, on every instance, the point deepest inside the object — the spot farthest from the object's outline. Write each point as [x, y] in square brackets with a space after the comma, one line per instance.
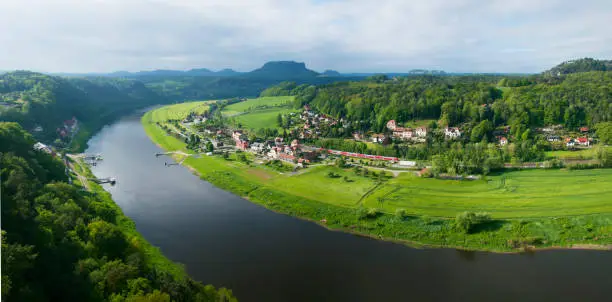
[34, 99]
[60, 243]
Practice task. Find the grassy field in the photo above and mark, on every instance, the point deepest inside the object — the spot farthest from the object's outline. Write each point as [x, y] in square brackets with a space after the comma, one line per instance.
[253, 104]
[259, 112]
[540, 207]
[518, 194]
[178, 111]
[576, 154]
[261, 118]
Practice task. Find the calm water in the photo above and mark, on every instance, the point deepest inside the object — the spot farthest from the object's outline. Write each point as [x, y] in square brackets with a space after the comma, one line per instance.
[227, 241]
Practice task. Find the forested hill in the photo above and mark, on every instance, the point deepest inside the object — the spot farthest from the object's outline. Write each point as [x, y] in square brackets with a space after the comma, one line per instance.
[34, 99]
[573, 100]
[580, 65]
[60, 243]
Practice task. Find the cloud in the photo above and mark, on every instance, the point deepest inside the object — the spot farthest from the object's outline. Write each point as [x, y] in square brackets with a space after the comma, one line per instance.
[359, 35]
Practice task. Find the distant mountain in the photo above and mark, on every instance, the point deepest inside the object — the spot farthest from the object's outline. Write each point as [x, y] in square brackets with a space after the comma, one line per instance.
[580, 65]
[282, 70]
[196, 72]
[331, 73]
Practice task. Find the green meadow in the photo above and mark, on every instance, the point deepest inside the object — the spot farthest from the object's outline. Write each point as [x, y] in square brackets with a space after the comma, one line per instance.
[541, 208]
[259, 112]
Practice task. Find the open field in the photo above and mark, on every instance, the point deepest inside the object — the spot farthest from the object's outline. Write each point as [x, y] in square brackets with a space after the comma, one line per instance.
[518, 194]
[261, 118]
[259, 112]
[258, 103]
[178, 111]
[552, 204]
[576, 154]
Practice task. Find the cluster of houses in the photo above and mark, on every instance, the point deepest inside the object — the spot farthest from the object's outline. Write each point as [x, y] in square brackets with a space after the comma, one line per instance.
[275, 149]
[570, 142]
[402, 133]
[313, 121]
[69, 127]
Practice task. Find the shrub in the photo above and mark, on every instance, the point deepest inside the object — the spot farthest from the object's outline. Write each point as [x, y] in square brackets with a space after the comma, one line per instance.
[401, 213]
[365, 213]
[466, 221]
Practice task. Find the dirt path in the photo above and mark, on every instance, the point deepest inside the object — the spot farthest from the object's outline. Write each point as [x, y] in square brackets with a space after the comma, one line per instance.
[82, 179]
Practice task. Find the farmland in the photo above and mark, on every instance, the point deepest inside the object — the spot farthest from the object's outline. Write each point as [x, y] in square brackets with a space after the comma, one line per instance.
[557, 207]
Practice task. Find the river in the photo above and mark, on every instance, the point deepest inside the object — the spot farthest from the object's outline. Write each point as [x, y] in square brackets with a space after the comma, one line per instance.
[227, 241]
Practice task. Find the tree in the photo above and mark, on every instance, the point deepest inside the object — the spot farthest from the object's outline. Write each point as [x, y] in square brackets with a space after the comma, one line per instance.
[466, 221]
[279, 120]
[604, 132]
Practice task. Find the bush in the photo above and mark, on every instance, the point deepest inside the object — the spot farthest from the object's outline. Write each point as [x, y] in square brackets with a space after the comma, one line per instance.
[365, 213]
[401, 213]
[466, 221]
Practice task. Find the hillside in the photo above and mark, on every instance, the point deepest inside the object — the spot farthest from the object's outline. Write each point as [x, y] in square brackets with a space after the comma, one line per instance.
[580, 65]
[37, 100]
[60, 243]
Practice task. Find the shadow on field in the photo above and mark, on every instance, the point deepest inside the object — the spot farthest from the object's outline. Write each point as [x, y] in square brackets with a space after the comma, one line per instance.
[489, 226]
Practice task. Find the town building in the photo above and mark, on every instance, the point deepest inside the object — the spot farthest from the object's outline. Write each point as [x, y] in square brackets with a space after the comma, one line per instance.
[452, 132]
[421, 132]
[503, 141]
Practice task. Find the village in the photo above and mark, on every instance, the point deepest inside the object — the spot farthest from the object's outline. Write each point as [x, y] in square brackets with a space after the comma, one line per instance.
[308, 125]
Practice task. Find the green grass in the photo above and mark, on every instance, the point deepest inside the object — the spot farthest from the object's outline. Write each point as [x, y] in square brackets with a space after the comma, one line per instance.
[519, 194]
[178, 111]
[260, 112]
[575, 154]
[252, 104]
[261, 118]
[542, 208]
[315, 184]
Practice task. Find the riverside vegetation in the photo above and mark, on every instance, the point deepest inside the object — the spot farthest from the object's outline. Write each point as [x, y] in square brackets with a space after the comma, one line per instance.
[62, 243]
[420, 212]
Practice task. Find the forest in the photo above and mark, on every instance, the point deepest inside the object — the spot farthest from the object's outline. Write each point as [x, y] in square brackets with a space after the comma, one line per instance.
[34, 99]
[60, 243]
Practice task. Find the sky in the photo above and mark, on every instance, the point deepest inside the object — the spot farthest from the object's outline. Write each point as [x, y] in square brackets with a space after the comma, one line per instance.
[344, 35]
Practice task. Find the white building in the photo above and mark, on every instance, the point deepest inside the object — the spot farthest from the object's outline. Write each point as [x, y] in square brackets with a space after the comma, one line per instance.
[452, 132]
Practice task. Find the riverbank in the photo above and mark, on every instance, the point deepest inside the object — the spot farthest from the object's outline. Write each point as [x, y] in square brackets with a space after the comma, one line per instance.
[285, 195]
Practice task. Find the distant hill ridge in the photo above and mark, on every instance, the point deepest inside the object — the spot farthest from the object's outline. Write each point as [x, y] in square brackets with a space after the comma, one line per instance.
[580, 65]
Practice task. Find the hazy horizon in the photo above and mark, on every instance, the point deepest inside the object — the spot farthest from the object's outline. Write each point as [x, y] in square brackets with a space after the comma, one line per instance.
[67, 36]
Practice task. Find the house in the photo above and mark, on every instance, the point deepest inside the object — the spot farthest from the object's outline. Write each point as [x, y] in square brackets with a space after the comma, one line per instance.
[306, 107]
[421, 132]
[273, 153]
[378, 138]
[43, 148]
[357, 136]
[310, 155]
[391, 125]
[584, 129]
[406, 163]
[295, 144]
[286, 157]
[288, 150]
[278, 141]
[553, 138]
[583, 141]
[38, 129]
[238, 135]
[452, 132]
[503, 141]
[569, 142]
[403, 133]
[217, 143]
[242, 145]
[258, 147]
